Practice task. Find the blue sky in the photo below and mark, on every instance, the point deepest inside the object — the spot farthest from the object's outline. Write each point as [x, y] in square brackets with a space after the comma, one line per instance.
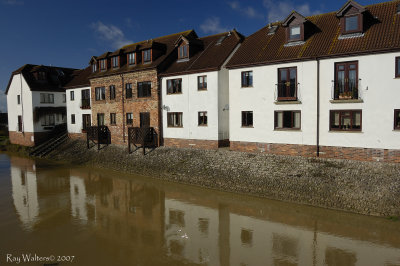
[68, 32]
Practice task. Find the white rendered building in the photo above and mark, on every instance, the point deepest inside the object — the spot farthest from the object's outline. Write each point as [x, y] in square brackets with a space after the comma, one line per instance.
[36, 102]
[328, 85]
[195, 103]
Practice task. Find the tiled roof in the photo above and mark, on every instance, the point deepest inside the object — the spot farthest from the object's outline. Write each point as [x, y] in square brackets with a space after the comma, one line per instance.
[211, 56]
[56, 77]
[165, 44]
[80, 78]
[382, 33]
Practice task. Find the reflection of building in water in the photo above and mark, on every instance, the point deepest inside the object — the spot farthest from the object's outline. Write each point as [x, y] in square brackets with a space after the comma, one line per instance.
[78, 198]
[24, 190]
[129, 212]
[191, 230]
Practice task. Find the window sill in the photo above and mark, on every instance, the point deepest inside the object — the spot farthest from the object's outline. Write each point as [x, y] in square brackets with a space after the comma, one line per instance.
[288, 129]
[148, 97]
[287, 102]
[100, 100]
[174, 127]
[347, 101]
[202, 89]
[178, 93]
[345, 131]
[247, 126]
[244, 87]
[397, 77]
[202, 125]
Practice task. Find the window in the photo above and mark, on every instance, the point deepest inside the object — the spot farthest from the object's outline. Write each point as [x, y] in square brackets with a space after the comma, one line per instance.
[295, 33]
[352, 24]
[85, 98]
[103, 64]
[174, 119]
[287, 119]
[131, 58]
[48, 120]
[247, 118]
[100, 93]
[20, 123]
[94, 67]
[46, 98]
[64, 98]
[113, 119]
[174, 86]
[183, 51]
[202, 119]
[247, 79]
[129, 118]
[346, 83]
[287, 84]
[112, 92]
[202, 83]
[144, 89]
[100, 119]
[115, 61]
[18, 99]
[128, 90]
[397, 119]
[72, 119]
[86, 121]
[345, 120]
[41, 75]
[147, 56]
[397, 67]
[72, 95]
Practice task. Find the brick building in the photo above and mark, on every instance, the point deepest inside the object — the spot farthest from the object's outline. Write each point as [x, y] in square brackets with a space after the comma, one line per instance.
[125, 89]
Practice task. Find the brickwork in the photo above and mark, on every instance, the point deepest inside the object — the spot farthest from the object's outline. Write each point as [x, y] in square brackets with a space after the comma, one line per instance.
[29, 139]
[132, 105]
[81, 136]
[359, 154]
[191, 143]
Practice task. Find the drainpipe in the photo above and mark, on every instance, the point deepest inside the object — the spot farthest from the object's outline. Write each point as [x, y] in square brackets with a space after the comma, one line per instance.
[318, 104]
[123, 107]
[160, 113]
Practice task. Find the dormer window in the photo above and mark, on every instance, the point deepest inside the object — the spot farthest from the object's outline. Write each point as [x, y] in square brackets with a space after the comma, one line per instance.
[103, 64]
[183, 51]
[147, 56]
[131, 58]
[41, 75]
[295, 33]
[115, 62]
[94, 67]
[294, 24]
[351, 17]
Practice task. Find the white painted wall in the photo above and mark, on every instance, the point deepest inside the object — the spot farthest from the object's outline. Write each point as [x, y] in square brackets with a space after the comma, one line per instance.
[261, 100]
[380, 94]
[78, 198]
[74, 107]
[190, 102]
[19, 86]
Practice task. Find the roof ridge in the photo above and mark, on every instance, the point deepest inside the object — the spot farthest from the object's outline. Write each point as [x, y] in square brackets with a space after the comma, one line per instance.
[155, 39]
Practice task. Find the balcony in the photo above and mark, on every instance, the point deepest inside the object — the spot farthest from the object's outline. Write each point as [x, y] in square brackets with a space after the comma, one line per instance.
[287, 92]
[85, 104]
[346, 91]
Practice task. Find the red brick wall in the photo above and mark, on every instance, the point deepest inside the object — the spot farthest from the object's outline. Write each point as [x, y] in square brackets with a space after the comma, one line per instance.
[25, 138]
[191, 143]
[360, 154]
[133, 105]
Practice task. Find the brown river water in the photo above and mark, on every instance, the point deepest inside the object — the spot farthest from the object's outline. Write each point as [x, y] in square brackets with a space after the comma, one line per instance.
[79, 216]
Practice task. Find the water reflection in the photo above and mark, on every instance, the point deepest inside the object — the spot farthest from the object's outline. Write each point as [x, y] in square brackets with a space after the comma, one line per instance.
[144, 222]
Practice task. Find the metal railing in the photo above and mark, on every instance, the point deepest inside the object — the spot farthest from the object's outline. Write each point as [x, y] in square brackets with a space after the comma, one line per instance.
[287, 91]
[346, 90]
[85, 104]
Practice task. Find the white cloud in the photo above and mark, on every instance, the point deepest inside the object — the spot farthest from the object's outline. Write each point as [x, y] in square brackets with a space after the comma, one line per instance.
[212, 25]
[111, 34]
[13, 2]
[277, 11]
[3, 101]
[247, 11]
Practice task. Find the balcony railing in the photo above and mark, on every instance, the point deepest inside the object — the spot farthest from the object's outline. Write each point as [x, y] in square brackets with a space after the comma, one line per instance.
[287, 91]
[346, 90]
[85, 104]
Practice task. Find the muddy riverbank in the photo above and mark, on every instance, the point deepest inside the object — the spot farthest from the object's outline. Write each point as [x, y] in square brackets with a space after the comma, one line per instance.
[361, 187]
